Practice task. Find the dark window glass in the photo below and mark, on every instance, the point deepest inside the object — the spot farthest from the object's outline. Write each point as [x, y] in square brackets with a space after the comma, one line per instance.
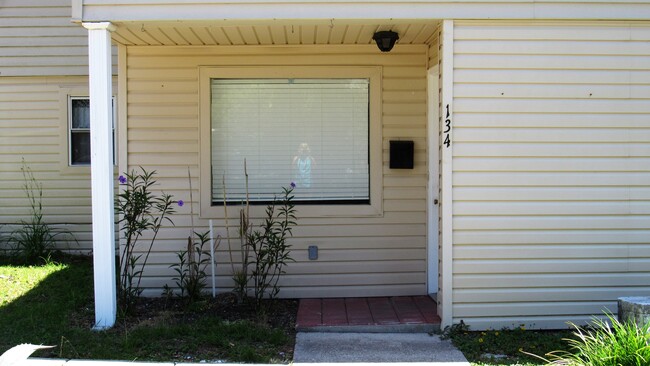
[80, 148]
[79, 126]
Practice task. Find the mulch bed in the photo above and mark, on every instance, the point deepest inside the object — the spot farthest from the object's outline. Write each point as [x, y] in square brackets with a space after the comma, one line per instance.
[277, 313]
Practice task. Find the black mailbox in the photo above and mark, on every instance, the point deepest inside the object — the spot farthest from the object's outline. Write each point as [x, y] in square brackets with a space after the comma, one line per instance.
[401, 154]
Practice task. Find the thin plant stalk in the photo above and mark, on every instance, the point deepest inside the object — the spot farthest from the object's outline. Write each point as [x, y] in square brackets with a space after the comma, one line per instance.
[190, 247]
[225, 215]
[153, 239]
[189, 180]
[246, 224]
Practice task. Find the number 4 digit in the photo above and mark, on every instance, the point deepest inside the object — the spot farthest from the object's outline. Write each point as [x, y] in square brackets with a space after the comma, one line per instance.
[447, 142]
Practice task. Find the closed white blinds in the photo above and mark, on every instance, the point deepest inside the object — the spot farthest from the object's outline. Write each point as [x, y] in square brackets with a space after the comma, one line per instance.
[313, 132]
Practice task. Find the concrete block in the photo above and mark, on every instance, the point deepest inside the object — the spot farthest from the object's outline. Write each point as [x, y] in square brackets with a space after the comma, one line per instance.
[636, 309]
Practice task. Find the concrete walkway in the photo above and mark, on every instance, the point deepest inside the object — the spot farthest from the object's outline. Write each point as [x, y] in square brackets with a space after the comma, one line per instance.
[375, 348]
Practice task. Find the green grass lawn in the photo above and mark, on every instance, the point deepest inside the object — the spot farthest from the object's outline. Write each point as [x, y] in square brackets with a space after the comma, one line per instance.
[53, 305]
[508, 346]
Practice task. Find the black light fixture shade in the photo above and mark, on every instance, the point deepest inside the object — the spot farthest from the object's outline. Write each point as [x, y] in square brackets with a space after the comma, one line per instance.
[385, 40]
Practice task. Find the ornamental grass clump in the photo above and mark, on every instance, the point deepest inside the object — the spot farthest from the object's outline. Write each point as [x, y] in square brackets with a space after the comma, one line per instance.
[141, 213]
[34, 239]
[606, 343]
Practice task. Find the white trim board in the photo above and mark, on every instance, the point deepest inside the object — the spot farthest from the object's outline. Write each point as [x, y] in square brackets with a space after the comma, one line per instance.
[433, 184]
[445, 302]
[168, 10]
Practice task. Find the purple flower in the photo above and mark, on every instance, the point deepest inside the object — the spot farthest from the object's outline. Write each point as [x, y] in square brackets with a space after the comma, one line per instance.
[122, 179]
[293, 185]
[180, 203]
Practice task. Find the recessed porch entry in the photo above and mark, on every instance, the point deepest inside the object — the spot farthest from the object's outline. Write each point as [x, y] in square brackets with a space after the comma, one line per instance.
[404, 98]
[368, 314]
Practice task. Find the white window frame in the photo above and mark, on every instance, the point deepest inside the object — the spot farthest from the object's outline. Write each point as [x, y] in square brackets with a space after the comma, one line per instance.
[70, 130]
[372, 73]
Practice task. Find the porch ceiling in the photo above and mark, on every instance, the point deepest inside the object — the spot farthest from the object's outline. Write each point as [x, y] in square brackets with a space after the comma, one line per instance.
[273, 32]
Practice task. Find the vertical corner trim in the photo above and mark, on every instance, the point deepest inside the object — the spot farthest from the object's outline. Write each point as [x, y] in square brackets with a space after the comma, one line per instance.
[77, 11]
[447, 63]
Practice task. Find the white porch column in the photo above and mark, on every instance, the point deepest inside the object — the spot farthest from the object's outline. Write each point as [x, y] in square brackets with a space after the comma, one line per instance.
[101, 169]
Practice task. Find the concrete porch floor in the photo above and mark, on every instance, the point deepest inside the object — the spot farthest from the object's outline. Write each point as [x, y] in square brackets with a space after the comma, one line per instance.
[401, 314]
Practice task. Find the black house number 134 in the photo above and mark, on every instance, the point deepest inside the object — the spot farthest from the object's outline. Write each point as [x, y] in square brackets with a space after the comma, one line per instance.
[447, 129]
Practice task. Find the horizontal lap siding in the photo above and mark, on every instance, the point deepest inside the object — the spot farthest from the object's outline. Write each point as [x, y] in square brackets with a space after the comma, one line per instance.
[357, 255]
[30, 128]
[551, 171]
[38, 39]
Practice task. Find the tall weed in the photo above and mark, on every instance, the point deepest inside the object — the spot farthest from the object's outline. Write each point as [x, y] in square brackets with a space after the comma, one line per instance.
[191, 266]
[193, 261]
[264, 251]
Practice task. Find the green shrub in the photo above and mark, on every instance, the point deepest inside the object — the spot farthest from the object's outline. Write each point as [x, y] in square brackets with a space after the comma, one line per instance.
[140, 211]
[271, 253]
[602, 344]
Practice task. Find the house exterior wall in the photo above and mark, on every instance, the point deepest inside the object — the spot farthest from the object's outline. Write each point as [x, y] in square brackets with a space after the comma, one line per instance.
[38, 39]
[43, 60]
[551, 171]
[359, 255]
[33, 127]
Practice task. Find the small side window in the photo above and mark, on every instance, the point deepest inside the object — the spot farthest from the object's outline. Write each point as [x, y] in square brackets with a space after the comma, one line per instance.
[79, 131]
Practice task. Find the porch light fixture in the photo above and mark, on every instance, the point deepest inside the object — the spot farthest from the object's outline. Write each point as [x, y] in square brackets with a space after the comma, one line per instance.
[385, 40]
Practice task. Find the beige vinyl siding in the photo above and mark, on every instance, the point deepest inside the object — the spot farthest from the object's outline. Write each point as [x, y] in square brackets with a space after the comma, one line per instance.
[366, 255]
[38, 39]
[30, 129]
[551, 171]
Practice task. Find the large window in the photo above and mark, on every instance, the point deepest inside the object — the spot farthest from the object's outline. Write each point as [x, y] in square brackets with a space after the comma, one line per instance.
[79, 131]
[313, 132]
[316, 126]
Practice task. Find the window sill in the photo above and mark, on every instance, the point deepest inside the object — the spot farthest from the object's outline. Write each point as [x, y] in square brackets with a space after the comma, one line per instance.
[302, 211]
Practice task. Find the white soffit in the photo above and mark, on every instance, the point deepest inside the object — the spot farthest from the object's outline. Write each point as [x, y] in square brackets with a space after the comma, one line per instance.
[334, 32]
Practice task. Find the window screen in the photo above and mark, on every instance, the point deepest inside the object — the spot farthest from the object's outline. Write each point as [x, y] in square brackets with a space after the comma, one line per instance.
[313, 132]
